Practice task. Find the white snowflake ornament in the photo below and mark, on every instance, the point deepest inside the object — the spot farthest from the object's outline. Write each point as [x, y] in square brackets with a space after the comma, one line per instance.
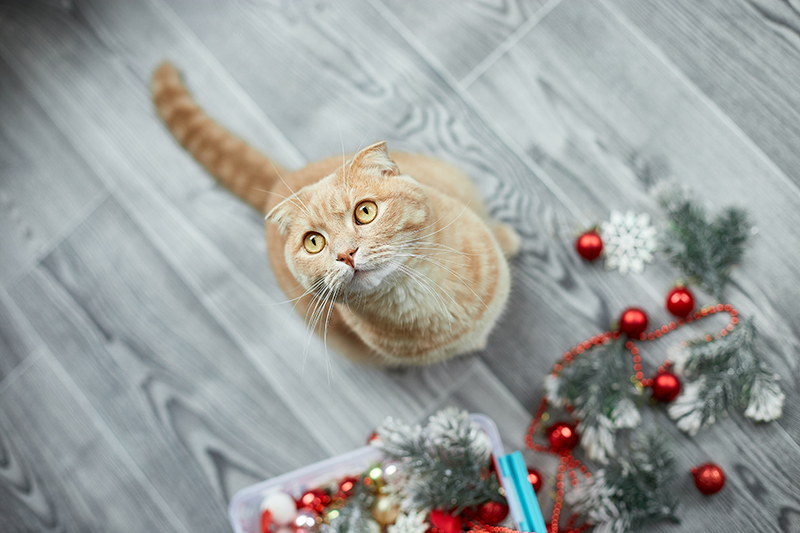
[629, 241]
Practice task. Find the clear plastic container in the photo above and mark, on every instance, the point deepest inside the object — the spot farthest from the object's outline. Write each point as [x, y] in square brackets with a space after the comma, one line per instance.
[244, 509]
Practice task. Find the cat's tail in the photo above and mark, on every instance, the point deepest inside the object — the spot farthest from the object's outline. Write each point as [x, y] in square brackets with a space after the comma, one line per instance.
[235, 164]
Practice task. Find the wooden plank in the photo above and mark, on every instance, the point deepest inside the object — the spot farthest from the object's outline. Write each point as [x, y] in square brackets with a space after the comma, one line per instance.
[743, 55]
[38, 199]
[60, 472]
[16, 342]
[736, 508]
[460, 39]
[619, 122]
[597, 111]
[95, 101]
[176, 391]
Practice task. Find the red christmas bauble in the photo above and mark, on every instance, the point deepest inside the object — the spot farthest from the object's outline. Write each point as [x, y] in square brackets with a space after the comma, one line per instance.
[373, 437]
[633, 322]
[680, 302]
[536, 479]
[562, 436]
[666, 387]
[589, 245]
[315, 500]
[445, 522]
[266, 520]
[493, 513]
[708, 478]
[347, 487]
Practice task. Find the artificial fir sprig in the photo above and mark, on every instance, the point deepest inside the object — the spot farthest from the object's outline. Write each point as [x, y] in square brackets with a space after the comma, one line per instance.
[597, 385]
[723, 375]
[445, 465]
[632, 492]
[704, 251]
[355, 516]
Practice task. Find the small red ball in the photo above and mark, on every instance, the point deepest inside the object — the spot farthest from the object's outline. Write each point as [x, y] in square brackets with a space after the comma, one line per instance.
[445, 522]
[266, 520]
[493, 513]
[589, 245]
[315, 500]
[347, 487]
[373, 437]
[562, 436]
[708, 478]
[680, 302]
[536, 479]
[666, 387]
[633, 322]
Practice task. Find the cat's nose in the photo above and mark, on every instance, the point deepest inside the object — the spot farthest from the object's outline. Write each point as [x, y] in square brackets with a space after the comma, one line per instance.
[348, 257]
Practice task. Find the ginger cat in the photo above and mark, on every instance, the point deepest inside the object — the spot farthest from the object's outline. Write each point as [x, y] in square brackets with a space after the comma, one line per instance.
[391, 257]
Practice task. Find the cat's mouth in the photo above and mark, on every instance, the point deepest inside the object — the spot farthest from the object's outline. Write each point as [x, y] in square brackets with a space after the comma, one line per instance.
[363, 279]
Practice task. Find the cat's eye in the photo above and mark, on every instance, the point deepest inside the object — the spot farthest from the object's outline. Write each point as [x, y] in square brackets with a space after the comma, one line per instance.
[366, 212]
[314, 242]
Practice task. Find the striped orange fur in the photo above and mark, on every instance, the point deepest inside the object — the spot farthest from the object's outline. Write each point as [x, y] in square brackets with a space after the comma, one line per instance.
[418, 276]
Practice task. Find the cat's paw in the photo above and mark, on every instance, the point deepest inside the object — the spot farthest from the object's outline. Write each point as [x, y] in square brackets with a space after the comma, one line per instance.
[508, 238]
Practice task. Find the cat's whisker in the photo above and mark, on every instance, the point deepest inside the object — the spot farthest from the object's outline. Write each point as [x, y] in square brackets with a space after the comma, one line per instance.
[290, 198]
[325, 336]
[426, 285]
[463, 282]
[447, 225]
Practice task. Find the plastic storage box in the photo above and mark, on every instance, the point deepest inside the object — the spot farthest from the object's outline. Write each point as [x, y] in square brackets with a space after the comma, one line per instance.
[244, 509]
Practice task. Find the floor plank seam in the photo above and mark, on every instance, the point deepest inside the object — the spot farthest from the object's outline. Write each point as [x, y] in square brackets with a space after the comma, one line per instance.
[509, 43]
[216, 313]
[21, 368]
[703, 97]
[90, 207]
[434, 63]
[106, 430]
[227, 78]
[494, 127]
[198, 237]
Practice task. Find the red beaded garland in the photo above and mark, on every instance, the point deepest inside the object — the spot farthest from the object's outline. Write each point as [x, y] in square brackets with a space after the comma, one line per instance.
[633, 322]
[493, 512]
[569, 463]
[589, 245]
[680, 301]
[666, 386]
[562, 436]
[708, 478]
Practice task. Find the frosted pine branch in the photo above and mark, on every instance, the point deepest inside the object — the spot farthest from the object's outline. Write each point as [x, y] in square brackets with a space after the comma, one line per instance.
[724, 375]
[631, 493]
[704, 251]
[597, 384]
[444, 465]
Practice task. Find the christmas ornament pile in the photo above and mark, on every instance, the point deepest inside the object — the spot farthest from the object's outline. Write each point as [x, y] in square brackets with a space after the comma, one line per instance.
[433, 479]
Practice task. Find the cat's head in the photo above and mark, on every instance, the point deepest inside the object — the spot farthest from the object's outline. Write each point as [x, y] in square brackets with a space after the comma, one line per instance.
[349, 231]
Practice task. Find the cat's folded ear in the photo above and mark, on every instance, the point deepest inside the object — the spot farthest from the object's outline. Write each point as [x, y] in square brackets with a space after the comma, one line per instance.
[376, 158]
[281, 214]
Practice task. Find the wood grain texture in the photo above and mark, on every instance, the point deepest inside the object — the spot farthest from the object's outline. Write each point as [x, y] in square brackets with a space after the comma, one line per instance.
[743, 54]
[16, 340]
[583, 99]
[160, 305]
[461, 38]
[36, 202]
[58, 469]
[177, 392]
[618, 116]
[123, 155]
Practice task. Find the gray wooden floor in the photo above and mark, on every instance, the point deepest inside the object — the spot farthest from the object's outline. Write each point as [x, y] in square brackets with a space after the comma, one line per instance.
[147, 367]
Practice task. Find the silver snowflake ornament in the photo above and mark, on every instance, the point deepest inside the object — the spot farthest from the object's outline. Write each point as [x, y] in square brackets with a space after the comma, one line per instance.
[628, 241]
